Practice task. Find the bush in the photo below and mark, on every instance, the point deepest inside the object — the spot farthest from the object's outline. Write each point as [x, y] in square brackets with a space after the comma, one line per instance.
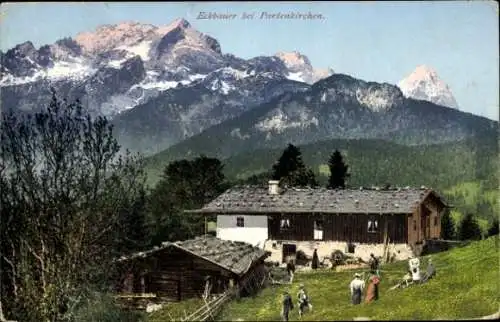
[494, 228]
[301, 258]
[469, 228]
[338, 257]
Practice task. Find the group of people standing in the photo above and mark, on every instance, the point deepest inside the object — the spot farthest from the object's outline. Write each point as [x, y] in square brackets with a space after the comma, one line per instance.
[303, 303]
[357, 287]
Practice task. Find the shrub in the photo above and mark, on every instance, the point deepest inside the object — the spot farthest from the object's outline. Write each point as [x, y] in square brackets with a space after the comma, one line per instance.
[469, 228]
[338, 257]
[494, 228]
[301, 258]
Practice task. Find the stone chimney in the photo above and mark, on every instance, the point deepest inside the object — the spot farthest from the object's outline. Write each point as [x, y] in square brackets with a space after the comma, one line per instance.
[274, 188]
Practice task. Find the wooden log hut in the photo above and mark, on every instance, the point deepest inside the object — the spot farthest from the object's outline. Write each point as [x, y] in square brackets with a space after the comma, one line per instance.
[191, 268]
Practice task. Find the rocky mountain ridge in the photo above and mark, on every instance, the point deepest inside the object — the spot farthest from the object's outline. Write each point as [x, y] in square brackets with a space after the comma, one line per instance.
[338, 107]
[161, 57]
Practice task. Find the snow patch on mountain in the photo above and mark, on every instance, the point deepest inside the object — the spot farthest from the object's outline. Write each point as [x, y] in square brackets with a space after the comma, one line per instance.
[425, 84]
[237, 74]
[75, 69]
[196, 77]
[296, 77]
[141, 49]
[237, 133]
[153, 81]
[222, 86]
[117, 64]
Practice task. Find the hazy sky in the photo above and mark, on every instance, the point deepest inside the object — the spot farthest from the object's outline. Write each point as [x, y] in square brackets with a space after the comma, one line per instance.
[375, 41]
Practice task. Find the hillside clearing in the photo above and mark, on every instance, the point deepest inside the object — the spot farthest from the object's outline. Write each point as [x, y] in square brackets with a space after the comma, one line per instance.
[466, 286]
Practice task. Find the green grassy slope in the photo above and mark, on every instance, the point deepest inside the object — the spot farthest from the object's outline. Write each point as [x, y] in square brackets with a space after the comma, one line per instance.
[466, 286]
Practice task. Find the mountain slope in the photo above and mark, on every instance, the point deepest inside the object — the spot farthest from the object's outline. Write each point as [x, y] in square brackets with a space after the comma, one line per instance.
[339, 107]
[185, 111]
[371, 162]
[425, 84]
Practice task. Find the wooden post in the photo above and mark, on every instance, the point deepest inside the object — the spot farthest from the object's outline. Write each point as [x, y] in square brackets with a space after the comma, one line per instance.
[386, 240]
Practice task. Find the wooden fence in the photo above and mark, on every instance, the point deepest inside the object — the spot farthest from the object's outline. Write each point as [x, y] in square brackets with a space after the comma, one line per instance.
[211, 309]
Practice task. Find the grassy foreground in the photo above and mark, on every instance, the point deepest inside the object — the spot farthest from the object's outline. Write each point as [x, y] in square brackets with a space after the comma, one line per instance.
[466, 286]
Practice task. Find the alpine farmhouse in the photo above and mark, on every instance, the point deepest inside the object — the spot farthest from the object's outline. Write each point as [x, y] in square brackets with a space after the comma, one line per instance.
[363, 221]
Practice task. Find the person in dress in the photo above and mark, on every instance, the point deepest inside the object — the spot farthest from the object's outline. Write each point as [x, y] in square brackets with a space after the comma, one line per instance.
[372, 289]
[357, 286]
[315, 260]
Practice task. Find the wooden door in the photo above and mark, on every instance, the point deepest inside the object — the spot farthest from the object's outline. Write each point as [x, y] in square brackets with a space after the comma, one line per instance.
[426, 223]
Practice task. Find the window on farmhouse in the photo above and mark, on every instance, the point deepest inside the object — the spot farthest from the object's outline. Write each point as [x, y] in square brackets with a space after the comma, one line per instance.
[285, 223]
[436, 221]
[318, 230]
[240, 222]
[414, 225]
[372, 225]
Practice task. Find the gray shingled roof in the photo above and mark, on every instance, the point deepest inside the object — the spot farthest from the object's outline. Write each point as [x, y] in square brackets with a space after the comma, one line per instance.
[233, 256]
[254, 199]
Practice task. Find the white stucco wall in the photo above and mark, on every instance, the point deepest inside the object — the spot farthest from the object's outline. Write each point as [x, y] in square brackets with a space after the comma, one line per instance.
[253, 232]
[325, 249]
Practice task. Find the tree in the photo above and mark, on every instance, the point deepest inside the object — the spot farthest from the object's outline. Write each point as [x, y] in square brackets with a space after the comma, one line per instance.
[63, 186]
[291, 170]
[469, 228]
[134, 234]
[493, 230]
[447, 227]
[185, 184]
[338, 171]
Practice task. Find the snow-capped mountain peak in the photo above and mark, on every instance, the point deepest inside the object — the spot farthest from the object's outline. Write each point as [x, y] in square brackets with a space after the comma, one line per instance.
[107, 37]
[177, 23]
[301, 69]
[424, 83]
[115, 68]
[294, 60]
